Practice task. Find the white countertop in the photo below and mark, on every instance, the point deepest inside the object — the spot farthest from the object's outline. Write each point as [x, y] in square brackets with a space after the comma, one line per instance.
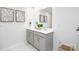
[45, 31]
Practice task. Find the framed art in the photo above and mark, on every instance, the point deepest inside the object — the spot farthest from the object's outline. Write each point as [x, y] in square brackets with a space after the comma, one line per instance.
[6, 14]
[43, 18]
[19, 16]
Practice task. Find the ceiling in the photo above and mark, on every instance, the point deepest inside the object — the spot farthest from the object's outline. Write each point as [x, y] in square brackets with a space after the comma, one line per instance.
[48, 9]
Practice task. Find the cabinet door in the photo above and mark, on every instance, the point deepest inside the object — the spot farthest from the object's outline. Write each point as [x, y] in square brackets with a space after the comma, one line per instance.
[42, 44]
[39, 42]
[30, 36]
[36, 41]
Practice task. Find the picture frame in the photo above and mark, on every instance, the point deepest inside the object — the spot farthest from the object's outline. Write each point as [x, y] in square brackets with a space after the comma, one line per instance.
[42, 18]
[6, 14]
[19, 16]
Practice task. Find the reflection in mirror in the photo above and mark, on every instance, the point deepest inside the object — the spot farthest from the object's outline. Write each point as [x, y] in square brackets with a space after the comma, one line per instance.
[43, 18]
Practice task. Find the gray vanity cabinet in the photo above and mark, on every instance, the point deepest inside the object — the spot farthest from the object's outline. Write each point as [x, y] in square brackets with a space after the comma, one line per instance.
[41, 41]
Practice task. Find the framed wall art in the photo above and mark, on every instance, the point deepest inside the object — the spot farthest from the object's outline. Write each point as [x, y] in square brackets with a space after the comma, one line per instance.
[6, 14]
[19, 16]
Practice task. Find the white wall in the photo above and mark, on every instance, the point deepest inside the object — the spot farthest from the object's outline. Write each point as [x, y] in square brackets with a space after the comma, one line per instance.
[13, 33]
[50, 21]
[65, 21]
[30, 15]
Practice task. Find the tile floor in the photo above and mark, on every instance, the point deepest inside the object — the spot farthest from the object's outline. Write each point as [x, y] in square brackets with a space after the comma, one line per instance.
[21, 47]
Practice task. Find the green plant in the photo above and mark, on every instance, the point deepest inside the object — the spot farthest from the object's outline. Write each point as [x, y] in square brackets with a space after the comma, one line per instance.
[40, 25]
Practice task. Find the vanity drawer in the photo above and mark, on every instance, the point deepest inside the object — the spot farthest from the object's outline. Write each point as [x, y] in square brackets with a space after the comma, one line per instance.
[41, 34]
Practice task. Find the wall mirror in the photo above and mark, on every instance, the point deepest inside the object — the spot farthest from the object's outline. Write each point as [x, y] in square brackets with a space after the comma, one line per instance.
[45, 16]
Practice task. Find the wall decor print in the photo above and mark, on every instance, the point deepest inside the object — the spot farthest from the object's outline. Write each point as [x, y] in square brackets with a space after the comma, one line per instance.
[6, 15]
[20, 16]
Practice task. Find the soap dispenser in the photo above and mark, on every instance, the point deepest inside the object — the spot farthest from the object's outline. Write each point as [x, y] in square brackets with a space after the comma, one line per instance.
[30, 24]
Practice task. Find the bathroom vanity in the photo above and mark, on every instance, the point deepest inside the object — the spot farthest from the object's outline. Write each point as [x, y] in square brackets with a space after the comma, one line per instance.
[42, 40]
